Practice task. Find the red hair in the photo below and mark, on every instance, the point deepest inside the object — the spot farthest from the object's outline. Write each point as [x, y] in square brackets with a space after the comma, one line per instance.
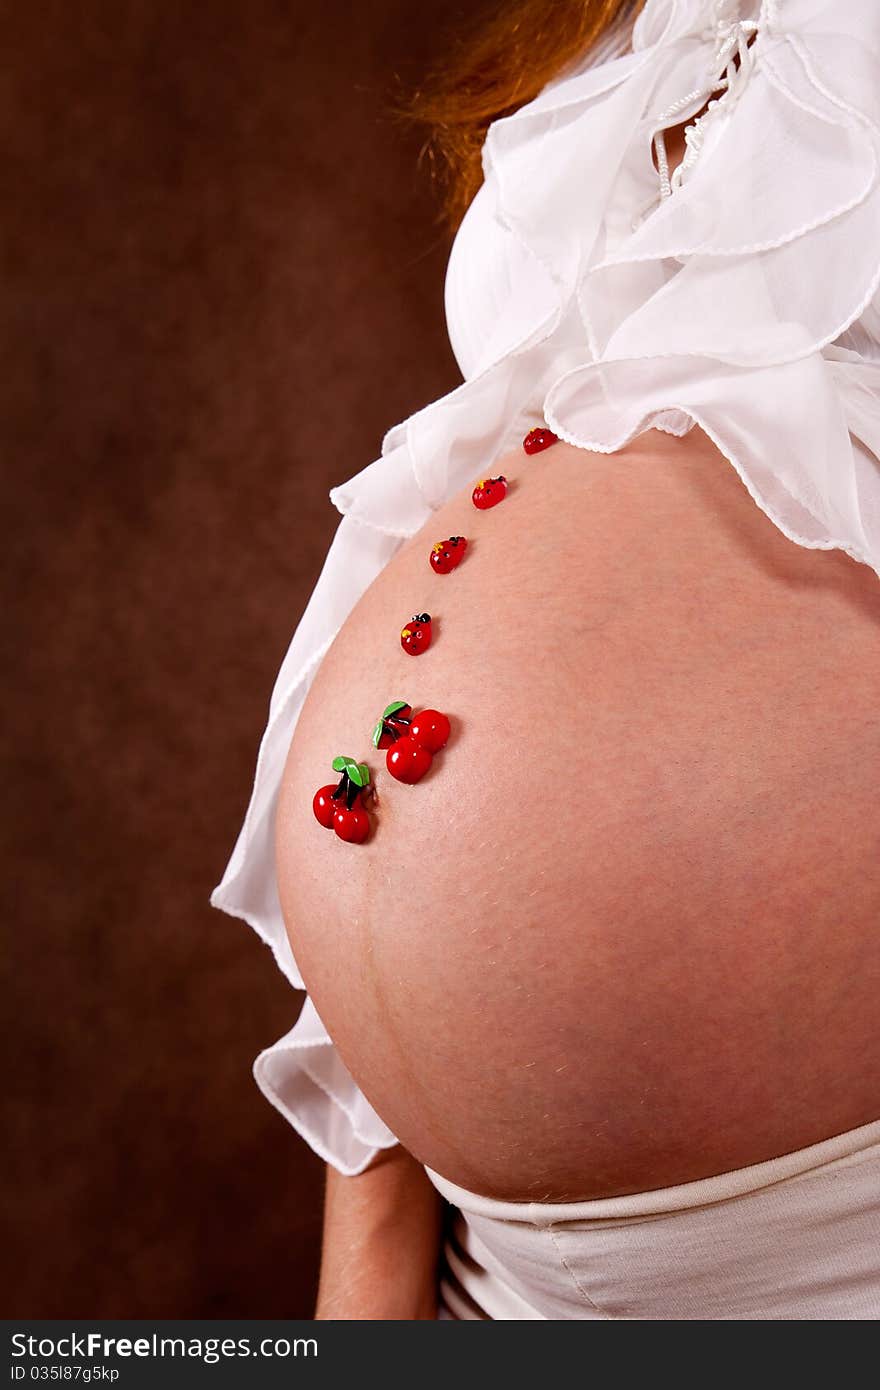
[495, 66]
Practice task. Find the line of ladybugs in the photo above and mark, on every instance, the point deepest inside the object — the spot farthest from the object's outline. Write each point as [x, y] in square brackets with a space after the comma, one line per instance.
[410, 740]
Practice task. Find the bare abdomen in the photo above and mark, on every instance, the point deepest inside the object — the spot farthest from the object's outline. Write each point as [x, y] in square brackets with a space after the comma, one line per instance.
[625, 933]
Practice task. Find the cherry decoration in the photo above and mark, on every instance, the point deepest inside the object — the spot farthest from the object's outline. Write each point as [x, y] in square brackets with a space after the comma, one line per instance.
[341, 808]
[431, 729]
[408, 760]
[411, 742]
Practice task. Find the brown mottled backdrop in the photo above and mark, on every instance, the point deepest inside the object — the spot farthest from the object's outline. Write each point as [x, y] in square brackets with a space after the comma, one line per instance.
[222, 281]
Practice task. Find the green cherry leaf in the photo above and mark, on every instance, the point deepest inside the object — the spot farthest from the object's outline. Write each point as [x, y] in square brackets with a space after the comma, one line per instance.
[377, 733]
[339, 764]
[393, 708]
[365, 774]
[354, 775]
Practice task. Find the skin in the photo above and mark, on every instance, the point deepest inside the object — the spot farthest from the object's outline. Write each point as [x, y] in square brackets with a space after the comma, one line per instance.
[624, 934]
[381, 1241]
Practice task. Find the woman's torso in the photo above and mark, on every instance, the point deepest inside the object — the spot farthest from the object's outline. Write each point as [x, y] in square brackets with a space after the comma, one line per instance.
[624, 935]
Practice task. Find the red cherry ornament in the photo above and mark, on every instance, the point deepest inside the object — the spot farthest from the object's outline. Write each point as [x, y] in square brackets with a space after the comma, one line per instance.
[447, 555]
[341, 808]
[352, 824]
[408, 760]
[489, 492]
[393, 725]
[538, 439]
[415, 638]
[411, 740]
[430, 728]
[324, 806]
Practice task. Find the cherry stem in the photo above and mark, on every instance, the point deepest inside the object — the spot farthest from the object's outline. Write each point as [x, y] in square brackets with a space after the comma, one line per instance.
[389, 729]
[340, 790]
[351, 793]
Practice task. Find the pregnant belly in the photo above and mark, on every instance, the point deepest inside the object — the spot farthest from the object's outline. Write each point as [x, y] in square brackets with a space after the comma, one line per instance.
[625, 932]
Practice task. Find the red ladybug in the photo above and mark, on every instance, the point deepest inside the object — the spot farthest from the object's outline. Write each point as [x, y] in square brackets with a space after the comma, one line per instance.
[539, 438]
[489, 492]
[447, 555]
[415, 638]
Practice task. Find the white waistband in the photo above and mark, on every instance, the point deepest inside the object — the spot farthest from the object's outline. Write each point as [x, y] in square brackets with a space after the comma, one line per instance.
[686, 1195]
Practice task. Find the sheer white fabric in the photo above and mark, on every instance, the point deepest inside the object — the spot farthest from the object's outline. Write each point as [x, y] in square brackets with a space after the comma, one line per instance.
[587, 291]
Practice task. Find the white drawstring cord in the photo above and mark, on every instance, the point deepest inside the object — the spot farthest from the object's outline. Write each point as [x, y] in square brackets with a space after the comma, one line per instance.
[731, 45]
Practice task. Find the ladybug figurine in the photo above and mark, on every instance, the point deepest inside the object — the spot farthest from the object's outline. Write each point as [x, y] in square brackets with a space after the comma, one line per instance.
[415, 638]
[447, 555]
[538, 439]
[489, 492]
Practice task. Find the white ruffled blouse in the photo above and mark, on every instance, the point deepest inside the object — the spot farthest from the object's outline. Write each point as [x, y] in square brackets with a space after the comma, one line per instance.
[588, 291]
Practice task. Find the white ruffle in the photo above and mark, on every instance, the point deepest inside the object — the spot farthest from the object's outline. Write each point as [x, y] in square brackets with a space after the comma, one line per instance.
[745, 302]
[305, 1079]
